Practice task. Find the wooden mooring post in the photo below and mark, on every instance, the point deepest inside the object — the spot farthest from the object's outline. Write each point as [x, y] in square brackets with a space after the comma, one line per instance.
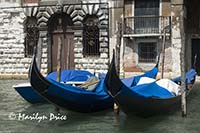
[183, 80]
[163, 52]
[118, 46]
[182, 63]
[59, 53]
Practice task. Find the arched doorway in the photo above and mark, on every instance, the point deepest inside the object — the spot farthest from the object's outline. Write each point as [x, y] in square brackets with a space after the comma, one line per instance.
[59, 28]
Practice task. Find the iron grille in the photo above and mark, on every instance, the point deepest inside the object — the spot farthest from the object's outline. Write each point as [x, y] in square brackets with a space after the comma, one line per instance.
[147, 52]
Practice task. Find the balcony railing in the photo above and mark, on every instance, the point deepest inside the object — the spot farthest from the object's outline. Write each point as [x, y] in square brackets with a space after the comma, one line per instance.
[141, 25]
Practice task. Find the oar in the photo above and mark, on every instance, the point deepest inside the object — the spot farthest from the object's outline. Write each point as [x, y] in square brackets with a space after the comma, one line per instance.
[194, 63]
[88, 84]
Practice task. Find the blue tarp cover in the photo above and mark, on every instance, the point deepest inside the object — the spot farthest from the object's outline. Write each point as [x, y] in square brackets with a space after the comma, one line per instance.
[190, 75]
[132, 81]
[150, 90]
[71, 75]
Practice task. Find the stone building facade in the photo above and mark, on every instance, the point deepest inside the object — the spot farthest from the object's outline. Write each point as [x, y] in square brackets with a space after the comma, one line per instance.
[88, 29]
[150, 24]
[148, 29]
[67, 22]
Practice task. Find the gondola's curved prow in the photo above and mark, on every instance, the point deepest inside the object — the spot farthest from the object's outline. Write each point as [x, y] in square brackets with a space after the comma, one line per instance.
[39, 83]
[112, 77]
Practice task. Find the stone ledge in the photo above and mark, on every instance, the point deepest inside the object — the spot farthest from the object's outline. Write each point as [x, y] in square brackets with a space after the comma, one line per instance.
[13, 76]
[166, 74]
[16, 76]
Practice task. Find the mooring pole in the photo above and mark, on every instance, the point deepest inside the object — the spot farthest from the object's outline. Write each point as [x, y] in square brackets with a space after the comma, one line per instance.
[183, 80]
[58, 63]
[163, 51]
[59, 58]
[182, 56]
[118, 46]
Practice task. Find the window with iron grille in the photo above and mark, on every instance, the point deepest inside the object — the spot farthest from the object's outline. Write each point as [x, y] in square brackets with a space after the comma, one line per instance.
[32, 35]
[91, 44]
[147, 52]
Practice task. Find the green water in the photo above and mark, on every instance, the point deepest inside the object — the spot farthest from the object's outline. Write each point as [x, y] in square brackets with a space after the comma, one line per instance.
[101, 122]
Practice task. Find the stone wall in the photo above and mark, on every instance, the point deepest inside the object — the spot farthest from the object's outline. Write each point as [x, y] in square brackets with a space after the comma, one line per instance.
[12, 36]
[131, 54]
[12, 60]
[176, 11]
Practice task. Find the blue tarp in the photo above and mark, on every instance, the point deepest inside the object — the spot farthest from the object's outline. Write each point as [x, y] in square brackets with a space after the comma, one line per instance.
[132, 81]
[71, 75]
[79, 99]
[190, 75]
[150, 90]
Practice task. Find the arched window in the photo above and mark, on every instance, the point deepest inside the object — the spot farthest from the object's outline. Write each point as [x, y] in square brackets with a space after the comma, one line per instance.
[91, 36]
[59, 22]
[32, 35]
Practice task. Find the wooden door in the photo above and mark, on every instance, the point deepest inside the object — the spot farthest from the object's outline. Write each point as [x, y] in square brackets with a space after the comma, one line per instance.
[67, 55]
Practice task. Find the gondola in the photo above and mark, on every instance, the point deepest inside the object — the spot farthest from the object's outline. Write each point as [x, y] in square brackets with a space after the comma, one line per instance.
[70, 97]
[67, 76]
[146, 99]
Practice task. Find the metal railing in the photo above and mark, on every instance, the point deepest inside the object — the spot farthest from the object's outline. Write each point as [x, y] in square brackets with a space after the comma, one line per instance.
[146, 24]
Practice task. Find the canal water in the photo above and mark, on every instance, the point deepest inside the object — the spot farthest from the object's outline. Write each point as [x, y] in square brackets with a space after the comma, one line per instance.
[16, 114]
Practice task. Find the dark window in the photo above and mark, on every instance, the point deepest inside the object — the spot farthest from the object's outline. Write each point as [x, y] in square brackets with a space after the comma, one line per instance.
[32, 35]
[59, 22]
[147, 52]
[146, 16]
[146, 7]
[91, 44]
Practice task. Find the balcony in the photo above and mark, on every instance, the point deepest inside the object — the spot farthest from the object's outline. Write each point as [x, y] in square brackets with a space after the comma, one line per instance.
[146, 26]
